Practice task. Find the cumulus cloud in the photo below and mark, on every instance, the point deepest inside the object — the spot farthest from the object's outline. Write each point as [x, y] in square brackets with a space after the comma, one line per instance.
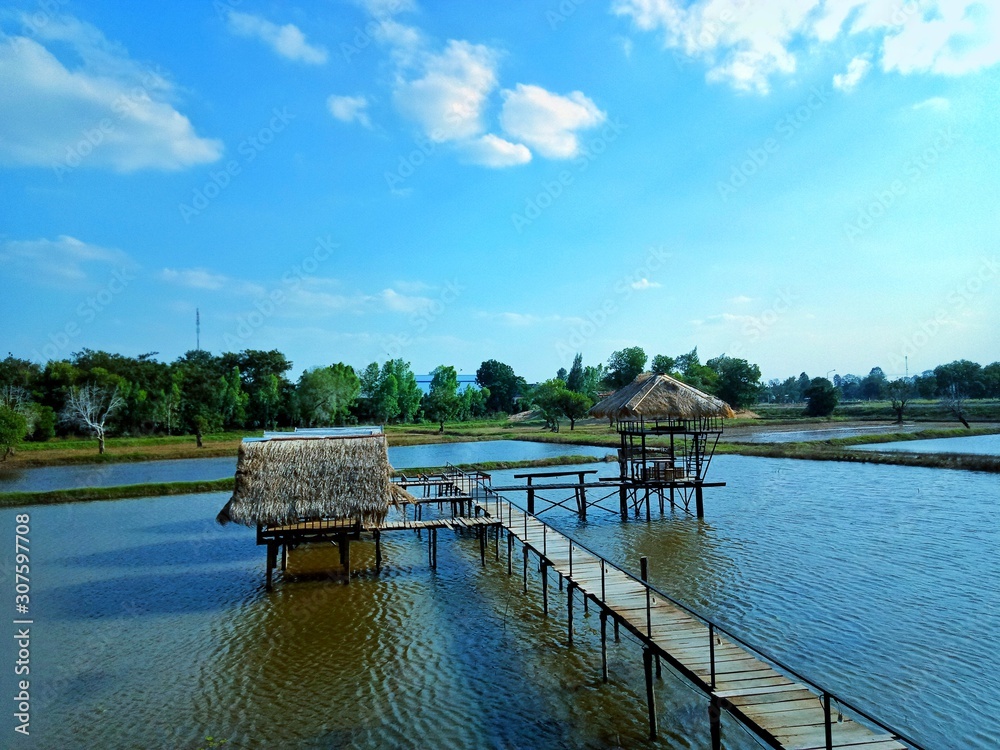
[493, 151]
[448, 99]
[64, 261]
[548, 122]
[89, 106]
[856, 70]
[404, 303]
[746, 45]
[349, 109]
[644, 283]
[288, 40]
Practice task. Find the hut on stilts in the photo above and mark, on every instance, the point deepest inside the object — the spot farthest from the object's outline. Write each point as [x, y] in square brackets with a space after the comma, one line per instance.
[668, 432]
[313, 486]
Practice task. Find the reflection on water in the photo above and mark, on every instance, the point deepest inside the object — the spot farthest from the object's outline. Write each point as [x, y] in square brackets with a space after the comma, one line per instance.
[980, 445]
[48, 478]
[153, 629]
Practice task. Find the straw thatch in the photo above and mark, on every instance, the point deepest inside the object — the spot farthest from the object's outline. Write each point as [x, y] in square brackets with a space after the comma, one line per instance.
[280, 481]
[652, 396]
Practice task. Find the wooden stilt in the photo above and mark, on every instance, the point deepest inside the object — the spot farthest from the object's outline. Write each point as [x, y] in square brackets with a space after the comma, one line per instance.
[672, 497]
[284, 557]
[604, 645]
[496, 548]
[647, 666]
[378, 549]
[510, 554]
[617, 634]
[525, 548]
[659, 674]
[647, 505]
[699, 498]
[271, 554]
[482, 545]
[623, 502]
[545, 588]
[715, 723]
[434, 548]
[569, 612]
[347, 557]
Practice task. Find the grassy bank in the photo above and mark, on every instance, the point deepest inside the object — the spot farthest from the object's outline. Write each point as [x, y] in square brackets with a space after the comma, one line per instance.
[163, 489]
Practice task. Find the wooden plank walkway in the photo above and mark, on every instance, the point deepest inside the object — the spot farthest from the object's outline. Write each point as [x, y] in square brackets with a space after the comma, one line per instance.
[783, 712]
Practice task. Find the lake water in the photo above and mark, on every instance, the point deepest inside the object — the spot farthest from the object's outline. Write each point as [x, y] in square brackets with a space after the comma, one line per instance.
[980, 445]
[48, 478]
[152, 628]
[797, 436]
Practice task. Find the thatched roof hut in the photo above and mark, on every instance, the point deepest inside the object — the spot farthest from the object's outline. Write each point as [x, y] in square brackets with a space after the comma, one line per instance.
[328, 475]
[652, 397]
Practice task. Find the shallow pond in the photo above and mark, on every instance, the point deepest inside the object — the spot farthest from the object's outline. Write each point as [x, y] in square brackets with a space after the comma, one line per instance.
[981, 445]
[152, 628]
[48, 478]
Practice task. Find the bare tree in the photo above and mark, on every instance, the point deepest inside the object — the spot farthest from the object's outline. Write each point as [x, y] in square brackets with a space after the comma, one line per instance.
[900, 391]
[17, 399]
[90, 407]
[955, 401]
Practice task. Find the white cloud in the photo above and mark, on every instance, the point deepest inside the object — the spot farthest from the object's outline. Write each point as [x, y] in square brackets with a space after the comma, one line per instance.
[64, 261]
[741, 299]
[288, 40]
[493, 151]
[349, 109]
[548, 122]
[748, 44]
[92, 107]
[936, 103]
[644, 283]
[448, 99]
[404, 303]
[856, 70]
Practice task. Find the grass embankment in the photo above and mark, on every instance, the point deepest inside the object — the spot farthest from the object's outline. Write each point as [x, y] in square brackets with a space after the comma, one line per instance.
[158, 489]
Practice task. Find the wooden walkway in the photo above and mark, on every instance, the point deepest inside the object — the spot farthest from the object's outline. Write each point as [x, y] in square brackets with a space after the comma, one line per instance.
[781, 708]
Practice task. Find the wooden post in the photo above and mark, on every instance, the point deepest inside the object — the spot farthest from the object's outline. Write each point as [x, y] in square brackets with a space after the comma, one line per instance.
[604, 645]
[525, 548]
[545, 588]
[715, 723]
[378, 549]
[347, 557]
[647, 666]
[434, 548]
[496, 548]
[510, 553]
[647, 504]
[284, 557]
[531, 498]
[617, 634]
[699, 499]
[482, 545]
[623, 502]
[270, 564]
[569, 611]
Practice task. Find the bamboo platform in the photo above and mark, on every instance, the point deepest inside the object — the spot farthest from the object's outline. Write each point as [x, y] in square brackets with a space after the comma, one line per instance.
[781, 708]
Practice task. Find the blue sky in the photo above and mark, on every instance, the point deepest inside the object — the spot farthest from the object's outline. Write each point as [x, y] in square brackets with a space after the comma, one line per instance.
[809, 184]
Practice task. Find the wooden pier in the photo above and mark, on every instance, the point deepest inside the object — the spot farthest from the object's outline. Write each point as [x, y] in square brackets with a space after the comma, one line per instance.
[783, 709]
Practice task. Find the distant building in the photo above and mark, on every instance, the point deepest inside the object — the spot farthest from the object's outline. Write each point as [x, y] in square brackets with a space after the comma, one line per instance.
[464, 382]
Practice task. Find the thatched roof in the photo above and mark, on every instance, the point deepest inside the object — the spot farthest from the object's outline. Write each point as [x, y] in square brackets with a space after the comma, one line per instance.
[652, 396]
[283, 479]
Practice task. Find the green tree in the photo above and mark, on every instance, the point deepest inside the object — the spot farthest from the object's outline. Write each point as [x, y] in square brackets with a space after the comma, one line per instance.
[13, 428]
[266, 399]
[385, 405]
[574, 380]
[546, 398]
[873, 387]
[327, 394]
[738, 382]
[503, 384]
[593, 380]
[408, 393]
[694, 373]
[473, 403]
[963, 375]
[625, 365]
[573, 405]
[443, 401]
[663, 365]
[233, 401]
[821, 398]
[991, 380]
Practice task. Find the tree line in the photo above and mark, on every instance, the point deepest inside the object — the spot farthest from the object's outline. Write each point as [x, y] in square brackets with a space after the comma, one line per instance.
[100, 393]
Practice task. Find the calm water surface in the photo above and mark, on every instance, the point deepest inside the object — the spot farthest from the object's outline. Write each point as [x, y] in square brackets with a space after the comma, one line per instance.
[152, 629]
[988, 445]
[48, 478]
